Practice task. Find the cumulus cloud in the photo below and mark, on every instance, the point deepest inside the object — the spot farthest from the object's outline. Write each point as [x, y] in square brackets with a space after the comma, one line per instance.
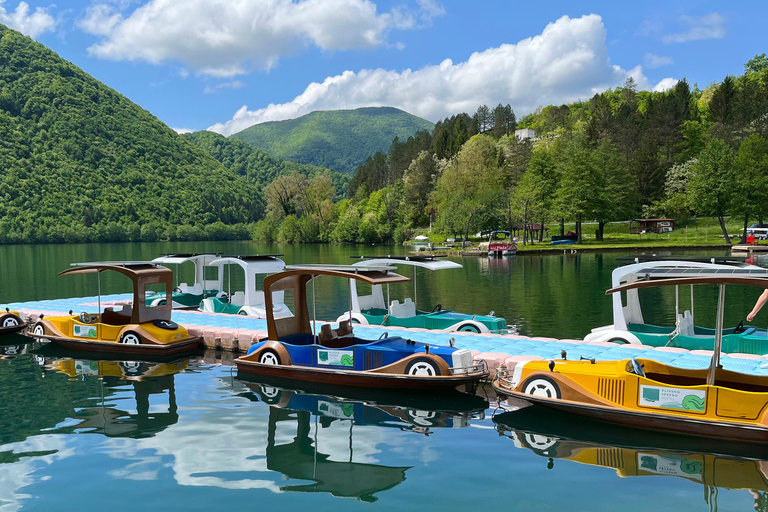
[711, 26]
[665, 84]
[225, 38]
[656, 61]
[32, 24]
[182, 131]
[568, 61]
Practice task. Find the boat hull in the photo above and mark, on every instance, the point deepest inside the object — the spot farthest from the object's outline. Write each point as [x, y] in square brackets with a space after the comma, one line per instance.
[190, 344]
[648, 421]
[13, 329]
[366, 379]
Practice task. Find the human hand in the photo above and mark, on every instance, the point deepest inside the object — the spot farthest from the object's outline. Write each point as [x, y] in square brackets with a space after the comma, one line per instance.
[750, 317]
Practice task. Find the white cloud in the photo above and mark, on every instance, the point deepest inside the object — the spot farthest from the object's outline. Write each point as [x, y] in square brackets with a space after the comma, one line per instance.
[182, 131]
[225, 38]
[665, 84]
[28, 24]
[656, 61]
[235, 84]
[568, 61]
[710, 26]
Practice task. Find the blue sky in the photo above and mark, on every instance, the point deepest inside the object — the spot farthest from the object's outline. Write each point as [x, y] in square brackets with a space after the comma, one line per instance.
[227, 64]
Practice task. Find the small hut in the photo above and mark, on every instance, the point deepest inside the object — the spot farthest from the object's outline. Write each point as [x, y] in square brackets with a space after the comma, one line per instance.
[651, 226]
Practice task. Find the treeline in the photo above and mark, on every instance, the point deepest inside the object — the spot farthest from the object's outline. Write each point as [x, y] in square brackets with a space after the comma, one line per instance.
[624, 153]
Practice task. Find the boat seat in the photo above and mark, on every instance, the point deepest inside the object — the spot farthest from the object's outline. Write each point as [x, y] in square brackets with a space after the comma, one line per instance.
[122, 317]
[405, 310]
[237, 299]
[685, 323]
[326, 334]
[195, 289]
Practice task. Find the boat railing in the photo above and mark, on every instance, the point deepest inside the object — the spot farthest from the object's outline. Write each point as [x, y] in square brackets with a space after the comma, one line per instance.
[480, 366]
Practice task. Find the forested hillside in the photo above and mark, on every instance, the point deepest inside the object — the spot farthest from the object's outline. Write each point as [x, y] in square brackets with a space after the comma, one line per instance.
[337, 139]
[255, 164]
[622, 154]
[80, 162]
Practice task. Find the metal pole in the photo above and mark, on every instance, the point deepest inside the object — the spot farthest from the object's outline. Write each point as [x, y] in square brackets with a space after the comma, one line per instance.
[692, 315]
[718, 336]
[677, 301]
[314, 311]
[98, 286]
[414, 288]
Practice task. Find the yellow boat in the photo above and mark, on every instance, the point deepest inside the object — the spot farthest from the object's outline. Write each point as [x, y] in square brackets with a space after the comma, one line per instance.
[11, 321]
[647, 394]
[138, 328]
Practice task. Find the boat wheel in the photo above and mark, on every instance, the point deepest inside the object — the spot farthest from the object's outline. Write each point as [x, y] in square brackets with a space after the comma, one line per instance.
[11, 321]
[39, 330]
[271, 395]
[269, 356]
[542, 386]
[539, 442]
[468, 328]
[422, 367]
[131, 367]
[130, 338]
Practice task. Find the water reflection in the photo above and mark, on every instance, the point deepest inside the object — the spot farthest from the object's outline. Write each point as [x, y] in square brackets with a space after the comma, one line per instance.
[418, 412]
[314, 415]
[632, 453]
[146, 379]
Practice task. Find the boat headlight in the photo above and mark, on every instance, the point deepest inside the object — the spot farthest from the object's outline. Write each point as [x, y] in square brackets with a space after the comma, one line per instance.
[517, 374]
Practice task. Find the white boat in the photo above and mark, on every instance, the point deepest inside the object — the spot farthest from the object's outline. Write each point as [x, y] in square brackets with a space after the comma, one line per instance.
[250, 300]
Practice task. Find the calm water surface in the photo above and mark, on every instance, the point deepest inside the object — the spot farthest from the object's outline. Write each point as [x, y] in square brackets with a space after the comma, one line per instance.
[190, 435]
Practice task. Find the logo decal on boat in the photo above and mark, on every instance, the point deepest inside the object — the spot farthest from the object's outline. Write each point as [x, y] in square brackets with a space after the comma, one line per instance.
[84, 331]
[336, 357]
[673, 398]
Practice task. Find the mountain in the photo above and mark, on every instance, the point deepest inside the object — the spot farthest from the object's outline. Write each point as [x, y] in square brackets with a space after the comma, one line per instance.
[255, 164]
[80, 162]
[337, 139]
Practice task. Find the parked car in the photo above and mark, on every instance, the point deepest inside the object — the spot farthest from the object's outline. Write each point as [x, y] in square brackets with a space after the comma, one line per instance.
[758, 230]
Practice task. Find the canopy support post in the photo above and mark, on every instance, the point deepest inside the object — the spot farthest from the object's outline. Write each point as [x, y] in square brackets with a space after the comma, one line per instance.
[692, 315]
[98, 288]
[314, 311]
[677, 301]
[715, 364]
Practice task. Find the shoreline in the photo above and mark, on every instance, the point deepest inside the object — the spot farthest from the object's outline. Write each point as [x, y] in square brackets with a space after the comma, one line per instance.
[574, 249]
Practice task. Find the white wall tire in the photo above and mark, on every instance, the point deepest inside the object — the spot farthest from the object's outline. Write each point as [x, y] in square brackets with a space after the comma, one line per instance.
[269, 357]
[542, 387]
[11, 321]
[39, 330]
[422, 367]
[130, 338]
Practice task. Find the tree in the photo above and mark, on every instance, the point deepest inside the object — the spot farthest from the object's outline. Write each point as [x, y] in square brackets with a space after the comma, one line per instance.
[750, 185]
[710, 186]
[578, 193]
[483, 118]
[756, 64]
[469, 187]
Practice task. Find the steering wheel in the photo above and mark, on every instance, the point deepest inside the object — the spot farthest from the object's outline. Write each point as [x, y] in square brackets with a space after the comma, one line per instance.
[85, 317]
[637, 368]
[384, 335]
[739, 328]
[177, 290]
[439, 307]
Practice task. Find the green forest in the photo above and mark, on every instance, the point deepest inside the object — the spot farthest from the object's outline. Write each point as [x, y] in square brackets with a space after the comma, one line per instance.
[336, 139]
[621, 154]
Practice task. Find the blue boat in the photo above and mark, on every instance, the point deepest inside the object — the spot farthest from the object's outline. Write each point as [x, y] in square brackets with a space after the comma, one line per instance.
[296, 351]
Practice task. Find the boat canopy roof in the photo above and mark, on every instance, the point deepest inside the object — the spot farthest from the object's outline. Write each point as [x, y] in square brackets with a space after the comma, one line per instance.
[721, 260]
[259, 263]
[746, 277]
[178, 259]
[296, 277]
[131, 269]
[143, 274]
[428, 262]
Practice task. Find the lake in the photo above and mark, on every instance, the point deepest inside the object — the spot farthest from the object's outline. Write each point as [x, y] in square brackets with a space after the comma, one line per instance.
[191, 435]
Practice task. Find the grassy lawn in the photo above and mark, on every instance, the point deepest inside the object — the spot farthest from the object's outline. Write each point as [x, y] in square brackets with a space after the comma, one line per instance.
[695, 231]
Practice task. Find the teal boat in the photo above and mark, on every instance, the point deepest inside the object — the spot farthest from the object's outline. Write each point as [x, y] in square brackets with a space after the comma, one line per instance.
[630, 326]
[373, 310]
[187, 296]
